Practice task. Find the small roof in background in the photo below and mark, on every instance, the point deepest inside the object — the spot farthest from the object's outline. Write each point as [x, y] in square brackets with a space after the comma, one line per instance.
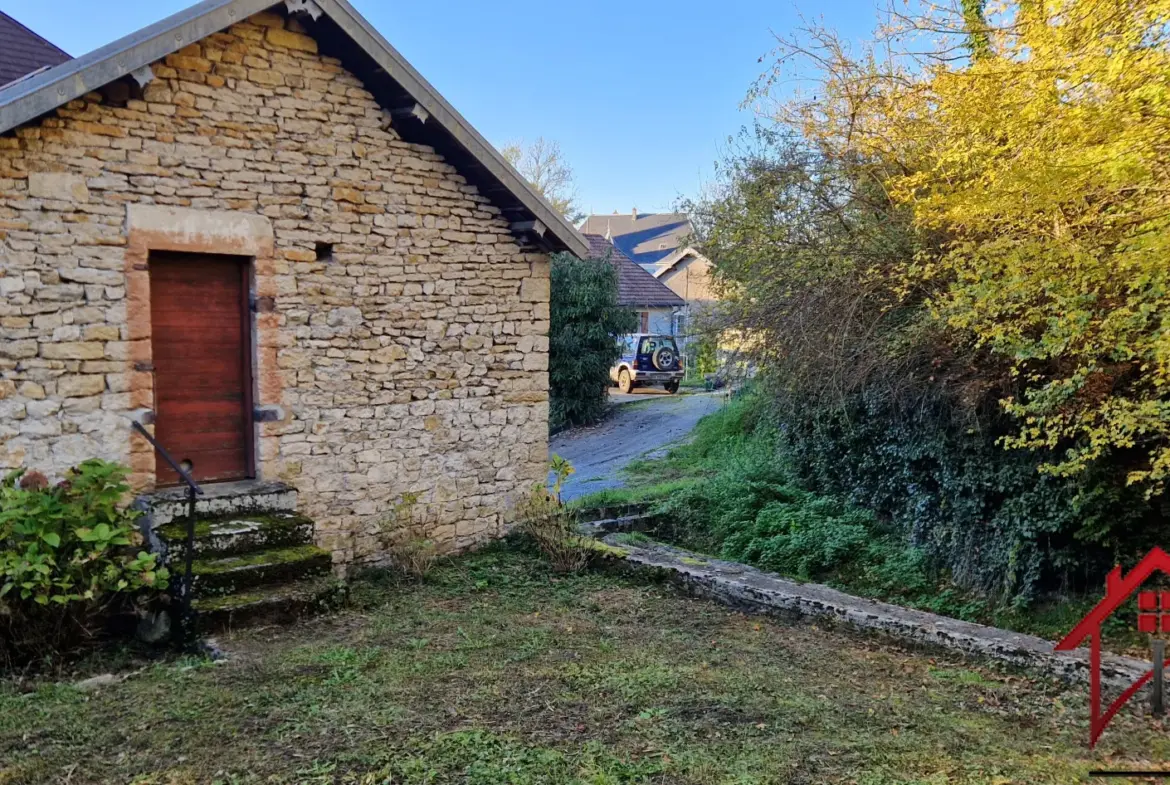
[645, 238]
[22, 51]
[636, 287]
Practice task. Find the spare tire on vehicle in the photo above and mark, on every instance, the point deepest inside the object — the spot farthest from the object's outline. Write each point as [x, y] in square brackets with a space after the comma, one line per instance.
[663, 358]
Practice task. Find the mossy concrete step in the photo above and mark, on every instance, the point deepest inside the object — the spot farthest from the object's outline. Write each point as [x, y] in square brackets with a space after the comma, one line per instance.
[237, 534]
[231, 574]
[281, 604]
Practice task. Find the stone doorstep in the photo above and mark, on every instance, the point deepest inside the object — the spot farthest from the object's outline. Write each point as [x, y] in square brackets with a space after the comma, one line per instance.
[220, 499]
[750, 589]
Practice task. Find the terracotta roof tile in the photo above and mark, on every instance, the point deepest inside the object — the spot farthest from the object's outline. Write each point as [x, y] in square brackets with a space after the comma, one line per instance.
[636, 287]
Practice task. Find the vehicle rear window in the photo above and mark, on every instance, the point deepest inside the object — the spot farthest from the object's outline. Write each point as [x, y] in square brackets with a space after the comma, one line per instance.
[651, 343]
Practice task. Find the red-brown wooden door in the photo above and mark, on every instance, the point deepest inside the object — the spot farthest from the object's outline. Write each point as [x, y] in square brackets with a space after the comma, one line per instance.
[202, 374]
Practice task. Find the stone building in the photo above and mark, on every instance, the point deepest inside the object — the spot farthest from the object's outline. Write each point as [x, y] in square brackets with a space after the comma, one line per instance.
[257, 230]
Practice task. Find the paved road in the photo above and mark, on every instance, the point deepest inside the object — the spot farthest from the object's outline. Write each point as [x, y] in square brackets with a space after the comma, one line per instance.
[645, 422]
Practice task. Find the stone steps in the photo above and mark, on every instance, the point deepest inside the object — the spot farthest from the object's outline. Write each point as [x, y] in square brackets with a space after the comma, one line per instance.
[281, 604]
[234, 535]
[224, 575]
[219, 500]
[254, 559]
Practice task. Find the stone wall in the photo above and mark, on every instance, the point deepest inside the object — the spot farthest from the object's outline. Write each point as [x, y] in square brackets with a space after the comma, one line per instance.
[410, 358]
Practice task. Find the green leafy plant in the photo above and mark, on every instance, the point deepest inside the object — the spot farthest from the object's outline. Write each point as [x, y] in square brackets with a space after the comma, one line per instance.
[68, 558]
[562, 470]
[876, 396]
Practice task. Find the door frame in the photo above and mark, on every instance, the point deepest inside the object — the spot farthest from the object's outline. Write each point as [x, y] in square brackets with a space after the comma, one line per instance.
[153, 229]
[247, 349]
[247, 357]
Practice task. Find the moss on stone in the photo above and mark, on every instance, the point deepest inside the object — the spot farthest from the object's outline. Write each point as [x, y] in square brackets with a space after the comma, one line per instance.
[176, 531]
[272, 598]
[275, 557]
[605, 549]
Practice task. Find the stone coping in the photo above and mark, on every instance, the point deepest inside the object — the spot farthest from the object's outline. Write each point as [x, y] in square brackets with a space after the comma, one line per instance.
[756, 591]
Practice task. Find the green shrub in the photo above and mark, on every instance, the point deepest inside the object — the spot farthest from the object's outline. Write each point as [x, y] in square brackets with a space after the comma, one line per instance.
[782, 528]
[986, 516]
[67, 559]
[910, 504]
[585, 323]
[409, 553]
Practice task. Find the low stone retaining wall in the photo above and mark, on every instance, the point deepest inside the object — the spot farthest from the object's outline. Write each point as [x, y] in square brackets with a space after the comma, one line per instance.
[756, 591]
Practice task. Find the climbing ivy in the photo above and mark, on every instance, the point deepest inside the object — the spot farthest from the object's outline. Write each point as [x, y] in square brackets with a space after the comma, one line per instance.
[986, 515]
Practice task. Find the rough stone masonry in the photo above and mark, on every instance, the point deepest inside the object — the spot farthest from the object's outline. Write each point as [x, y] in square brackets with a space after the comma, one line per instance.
[401, 329]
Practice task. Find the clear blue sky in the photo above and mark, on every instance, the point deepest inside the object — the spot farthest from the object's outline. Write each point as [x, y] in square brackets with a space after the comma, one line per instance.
[640, 94]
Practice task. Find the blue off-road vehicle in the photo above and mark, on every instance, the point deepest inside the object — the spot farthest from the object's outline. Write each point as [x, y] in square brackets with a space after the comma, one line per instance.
[648, 359]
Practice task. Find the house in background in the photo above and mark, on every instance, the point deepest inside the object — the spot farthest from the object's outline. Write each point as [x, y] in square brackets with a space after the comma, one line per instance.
[646, 238]
[657, 242]
[688, 273]
[23, 52]
[657, 306]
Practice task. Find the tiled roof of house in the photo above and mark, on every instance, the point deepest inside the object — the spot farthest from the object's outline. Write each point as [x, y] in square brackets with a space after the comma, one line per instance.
[646, 238]
[22, 51]
[636, 287]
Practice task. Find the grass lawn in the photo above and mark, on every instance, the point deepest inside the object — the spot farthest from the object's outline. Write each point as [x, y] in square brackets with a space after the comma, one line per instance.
[496, 671]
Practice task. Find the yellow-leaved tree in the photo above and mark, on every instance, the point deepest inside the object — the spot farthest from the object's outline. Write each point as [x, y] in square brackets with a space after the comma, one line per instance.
[1031, 141]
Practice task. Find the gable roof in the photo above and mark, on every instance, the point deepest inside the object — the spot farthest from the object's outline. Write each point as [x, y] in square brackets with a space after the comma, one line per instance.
[647, 238]
[22, 51]
[676, 258]
[419, 113]
[1118, 589]
[636, 287]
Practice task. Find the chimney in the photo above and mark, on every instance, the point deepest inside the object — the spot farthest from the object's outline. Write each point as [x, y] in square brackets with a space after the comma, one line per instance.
[635, 213]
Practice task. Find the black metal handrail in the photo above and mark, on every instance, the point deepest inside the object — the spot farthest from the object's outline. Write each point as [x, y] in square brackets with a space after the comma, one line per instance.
[186, 626]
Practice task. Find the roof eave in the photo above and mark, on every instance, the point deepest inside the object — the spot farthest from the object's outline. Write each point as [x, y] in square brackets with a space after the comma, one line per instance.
[28, 99]
[402, 72]
[670, 262]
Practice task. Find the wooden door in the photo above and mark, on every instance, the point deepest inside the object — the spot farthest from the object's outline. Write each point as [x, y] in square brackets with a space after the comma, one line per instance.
[201, 343]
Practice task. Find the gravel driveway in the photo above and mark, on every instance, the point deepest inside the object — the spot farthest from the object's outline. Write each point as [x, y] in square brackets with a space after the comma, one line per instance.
[644, 422]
